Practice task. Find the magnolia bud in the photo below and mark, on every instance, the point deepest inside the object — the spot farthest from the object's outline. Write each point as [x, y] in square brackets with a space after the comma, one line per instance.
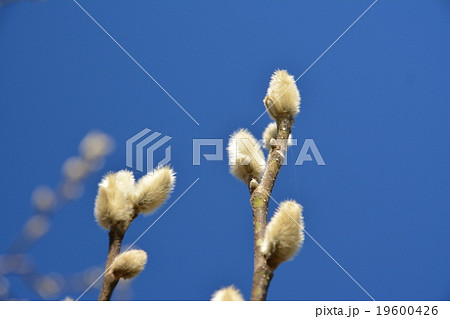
[246, 158]
[113, 202]
[283, 97]
[153, 189]
[284, 234]
[227, 294]
[129, 264]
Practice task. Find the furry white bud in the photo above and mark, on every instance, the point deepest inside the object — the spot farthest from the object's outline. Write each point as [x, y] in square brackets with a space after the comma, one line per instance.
[283, 97]
[270, 136]
[246, 158]
[227, 294]
[125, 182]
[284, 234]
[269, 133]
[129, 264]
[153, 189]
[113, 202]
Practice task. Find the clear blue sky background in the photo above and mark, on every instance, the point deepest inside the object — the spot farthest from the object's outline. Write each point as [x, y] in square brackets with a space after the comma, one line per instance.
[377, 106]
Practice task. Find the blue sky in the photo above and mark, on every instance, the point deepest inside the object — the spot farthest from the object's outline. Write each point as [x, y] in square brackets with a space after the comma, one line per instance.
[376, 105]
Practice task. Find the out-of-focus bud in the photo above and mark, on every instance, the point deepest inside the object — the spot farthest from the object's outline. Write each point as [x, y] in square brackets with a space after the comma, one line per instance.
[37, 226]
[43, 198]
[75, 168]
[96, 145]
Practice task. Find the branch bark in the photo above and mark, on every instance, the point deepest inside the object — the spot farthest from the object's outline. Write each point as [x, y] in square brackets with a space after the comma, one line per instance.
[260, 196]
[116, 235]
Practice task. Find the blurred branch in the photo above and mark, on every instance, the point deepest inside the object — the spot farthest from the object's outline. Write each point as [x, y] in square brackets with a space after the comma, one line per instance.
[47, 202]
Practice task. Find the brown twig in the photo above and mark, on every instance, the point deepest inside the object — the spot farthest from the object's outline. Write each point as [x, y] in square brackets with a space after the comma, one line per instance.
[116, 235]
[260, 196]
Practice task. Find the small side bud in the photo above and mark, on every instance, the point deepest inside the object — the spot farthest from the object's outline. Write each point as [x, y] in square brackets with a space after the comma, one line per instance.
[246, 158]
[283, 97]
[253, 185]
[153, 189]
[227, 294]
[284, 234]
[129, 264]
[113, 202]
[270, 136]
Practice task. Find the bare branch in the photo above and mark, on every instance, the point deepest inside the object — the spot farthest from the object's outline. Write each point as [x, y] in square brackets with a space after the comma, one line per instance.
[263, 273]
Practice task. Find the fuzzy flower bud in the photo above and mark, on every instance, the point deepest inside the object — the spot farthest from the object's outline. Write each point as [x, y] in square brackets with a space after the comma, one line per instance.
[246, 158]
[270, 136]
[113, 202]
[284, 234]
[227, 294]
[283, 97]
[269, 133]
[129, 264]
[153, 189]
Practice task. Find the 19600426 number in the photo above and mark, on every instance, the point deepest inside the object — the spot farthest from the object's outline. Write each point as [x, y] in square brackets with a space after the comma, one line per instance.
[409, 311]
